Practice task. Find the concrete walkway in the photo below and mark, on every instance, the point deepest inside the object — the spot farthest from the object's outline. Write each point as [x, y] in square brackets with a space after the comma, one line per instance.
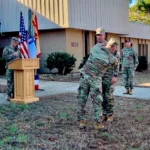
[47, 88]
[138, 92]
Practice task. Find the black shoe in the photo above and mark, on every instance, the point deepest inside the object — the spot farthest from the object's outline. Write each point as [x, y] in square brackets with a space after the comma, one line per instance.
[9, 98]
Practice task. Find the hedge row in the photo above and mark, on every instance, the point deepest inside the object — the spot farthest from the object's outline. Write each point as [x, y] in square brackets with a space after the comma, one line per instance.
[2, 66]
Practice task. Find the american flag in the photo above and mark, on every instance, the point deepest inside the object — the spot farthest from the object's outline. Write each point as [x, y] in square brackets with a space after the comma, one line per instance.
[23, 46]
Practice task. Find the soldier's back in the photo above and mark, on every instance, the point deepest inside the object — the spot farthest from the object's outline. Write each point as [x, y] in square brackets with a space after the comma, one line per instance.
[98, 61]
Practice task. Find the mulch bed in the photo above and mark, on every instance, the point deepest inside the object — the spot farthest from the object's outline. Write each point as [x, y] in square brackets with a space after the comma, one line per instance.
[142, 79]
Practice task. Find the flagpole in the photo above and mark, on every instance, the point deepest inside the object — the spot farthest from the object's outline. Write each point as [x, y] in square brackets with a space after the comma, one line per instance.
[34, 34]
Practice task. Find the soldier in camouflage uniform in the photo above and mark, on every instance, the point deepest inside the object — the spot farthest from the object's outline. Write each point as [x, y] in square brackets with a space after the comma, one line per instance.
[91, 78]
[10, 53]
[109, 78]
[129, 61]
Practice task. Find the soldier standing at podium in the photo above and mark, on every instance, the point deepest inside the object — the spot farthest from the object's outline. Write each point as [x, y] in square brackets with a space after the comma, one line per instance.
[11, 53]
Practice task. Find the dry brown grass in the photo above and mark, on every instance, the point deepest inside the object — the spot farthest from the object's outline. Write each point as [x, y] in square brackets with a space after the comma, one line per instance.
[50, 124]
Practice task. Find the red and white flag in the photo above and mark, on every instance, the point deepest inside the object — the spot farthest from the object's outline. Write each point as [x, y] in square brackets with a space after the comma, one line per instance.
[36, 33]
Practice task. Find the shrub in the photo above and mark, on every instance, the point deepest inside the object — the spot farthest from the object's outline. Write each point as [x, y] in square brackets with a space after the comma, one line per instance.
[83, 61]
[2, 64]
[143, 64]
[64, 62]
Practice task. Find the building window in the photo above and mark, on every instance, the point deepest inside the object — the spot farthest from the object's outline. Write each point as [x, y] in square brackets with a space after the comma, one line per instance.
[95, 38]
[147, 51]
[122, 45]
[87, 47]
[139, 49]
[143, 50]
[106, 36]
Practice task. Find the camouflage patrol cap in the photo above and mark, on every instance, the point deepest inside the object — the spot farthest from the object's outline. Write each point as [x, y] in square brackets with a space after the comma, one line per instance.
[112, 42]
[100, 31]
[14, 39]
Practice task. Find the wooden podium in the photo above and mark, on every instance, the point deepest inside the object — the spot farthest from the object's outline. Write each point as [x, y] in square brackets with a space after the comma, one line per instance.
[24, 91]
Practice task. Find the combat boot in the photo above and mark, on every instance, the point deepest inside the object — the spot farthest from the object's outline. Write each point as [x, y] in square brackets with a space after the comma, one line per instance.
[98, 125]
[104, 117]
[9, 98]
[110, 118]
[130, 92]
[82, 124]
[126, 92]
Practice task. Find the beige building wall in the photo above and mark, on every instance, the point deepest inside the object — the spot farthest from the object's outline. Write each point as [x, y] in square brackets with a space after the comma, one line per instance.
[75, 45]
[134, 44]
[69, 40]
[122, 39]
[51, 41]
[72, 41]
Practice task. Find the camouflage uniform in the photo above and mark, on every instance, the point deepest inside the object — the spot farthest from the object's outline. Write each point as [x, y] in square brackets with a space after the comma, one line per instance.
[91, 80]
[8, 55]
[108, 98]
[129, 61]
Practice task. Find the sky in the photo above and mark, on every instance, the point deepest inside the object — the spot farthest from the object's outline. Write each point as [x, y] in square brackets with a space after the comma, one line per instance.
[133, 2]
